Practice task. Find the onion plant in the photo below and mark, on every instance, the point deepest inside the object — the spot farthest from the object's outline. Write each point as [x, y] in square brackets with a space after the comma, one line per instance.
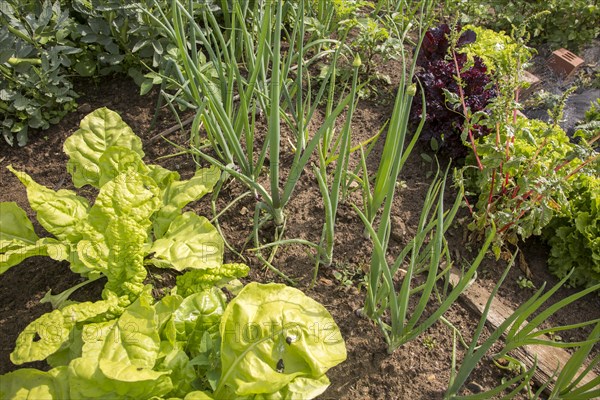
[518, 332]
[426, 252]
[253, 76]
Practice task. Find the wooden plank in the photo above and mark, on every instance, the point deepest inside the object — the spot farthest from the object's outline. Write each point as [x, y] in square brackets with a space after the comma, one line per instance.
[549, 359]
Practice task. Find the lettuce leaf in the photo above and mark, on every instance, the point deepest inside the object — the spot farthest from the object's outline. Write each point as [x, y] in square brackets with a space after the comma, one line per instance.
[29, 383]
[272, 334]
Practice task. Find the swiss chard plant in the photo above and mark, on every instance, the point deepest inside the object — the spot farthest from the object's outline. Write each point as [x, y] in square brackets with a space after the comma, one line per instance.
[270, 341]
[136, 220]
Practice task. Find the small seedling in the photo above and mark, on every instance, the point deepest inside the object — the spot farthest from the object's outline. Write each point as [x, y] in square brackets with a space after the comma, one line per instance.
[525, 283]
[554, 337]
[429, 342]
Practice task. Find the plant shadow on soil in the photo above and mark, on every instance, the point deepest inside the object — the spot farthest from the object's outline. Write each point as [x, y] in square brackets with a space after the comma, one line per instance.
[418, 370]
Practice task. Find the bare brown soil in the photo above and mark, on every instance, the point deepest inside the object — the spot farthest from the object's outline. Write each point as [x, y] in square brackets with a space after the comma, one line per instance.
[418, 370]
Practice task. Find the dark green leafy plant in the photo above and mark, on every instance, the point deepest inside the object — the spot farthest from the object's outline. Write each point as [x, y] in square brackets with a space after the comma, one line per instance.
[44, 45]
[569, 24]
[35, 53]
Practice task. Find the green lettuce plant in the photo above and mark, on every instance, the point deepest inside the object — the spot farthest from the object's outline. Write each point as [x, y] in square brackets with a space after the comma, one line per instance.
[271, 341]
[574, 234]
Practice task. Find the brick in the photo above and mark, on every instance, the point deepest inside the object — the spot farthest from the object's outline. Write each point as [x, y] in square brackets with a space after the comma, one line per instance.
[533, 81]
[563, 62]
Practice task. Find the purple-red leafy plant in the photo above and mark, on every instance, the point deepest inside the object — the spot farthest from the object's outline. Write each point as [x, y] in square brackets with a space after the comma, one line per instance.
[454, 90]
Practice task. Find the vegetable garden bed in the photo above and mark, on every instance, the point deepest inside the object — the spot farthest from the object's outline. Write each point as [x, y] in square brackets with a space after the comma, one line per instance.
[418, 370]
[417, 351]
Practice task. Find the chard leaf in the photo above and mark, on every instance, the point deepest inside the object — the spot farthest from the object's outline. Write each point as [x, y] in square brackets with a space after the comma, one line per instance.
[88, 381]
[118, 254]
[15, 227]
[199, 313]
[129, 195]
[29, 383]
[58, 212]
[272, 334]
[15, 253]
[182, 372]
[198, 395]
[116, 160]
[134, 338]
[162, 176]
[180, 193]
[301, 388]
[49, 333]
[116, 231]
[98, 131]
[201, 279]
[191, 242]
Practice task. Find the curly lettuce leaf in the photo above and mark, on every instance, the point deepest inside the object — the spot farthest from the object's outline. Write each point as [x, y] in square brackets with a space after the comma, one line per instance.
[574, 236]
[272, 334]
[197, 280]
[58, 212]
[191, 242]
[98, 131]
